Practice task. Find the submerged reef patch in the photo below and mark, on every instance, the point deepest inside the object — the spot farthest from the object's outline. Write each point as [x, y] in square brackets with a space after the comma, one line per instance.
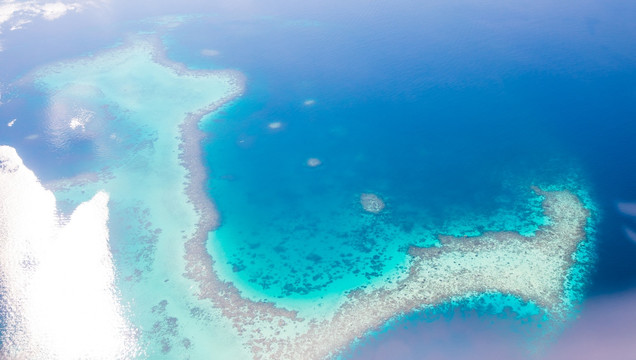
[371, 203]
[531, 268]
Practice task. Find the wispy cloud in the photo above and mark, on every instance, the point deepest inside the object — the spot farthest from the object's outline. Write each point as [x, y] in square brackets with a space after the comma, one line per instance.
[15, 14]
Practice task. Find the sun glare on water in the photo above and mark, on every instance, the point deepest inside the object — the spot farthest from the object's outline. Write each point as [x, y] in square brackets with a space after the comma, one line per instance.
[59, 298]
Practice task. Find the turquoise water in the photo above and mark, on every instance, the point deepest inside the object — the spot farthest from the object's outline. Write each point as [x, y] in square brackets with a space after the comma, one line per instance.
[448, 119]
[456, 159]
[131, 137]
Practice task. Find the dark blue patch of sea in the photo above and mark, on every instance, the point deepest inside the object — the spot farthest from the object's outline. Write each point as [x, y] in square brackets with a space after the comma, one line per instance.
[449, 114]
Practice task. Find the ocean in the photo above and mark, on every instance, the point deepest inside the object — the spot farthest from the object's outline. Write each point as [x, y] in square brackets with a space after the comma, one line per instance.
[448, 112]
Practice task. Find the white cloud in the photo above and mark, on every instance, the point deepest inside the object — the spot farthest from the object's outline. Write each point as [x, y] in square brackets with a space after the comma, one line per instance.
[17, 25]
[52, 11]
[16, 14]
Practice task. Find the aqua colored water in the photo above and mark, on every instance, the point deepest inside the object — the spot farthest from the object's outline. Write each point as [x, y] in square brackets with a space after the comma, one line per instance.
[449, 112]
[451, 150]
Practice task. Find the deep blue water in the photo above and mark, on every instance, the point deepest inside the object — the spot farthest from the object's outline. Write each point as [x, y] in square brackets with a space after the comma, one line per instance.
[430, 116]
[429, 112]
[448, 111]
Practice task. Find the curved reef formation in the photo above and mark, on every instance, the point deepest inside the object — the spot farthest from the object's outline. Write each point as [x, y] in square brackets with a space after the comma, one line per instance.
[151, 142]
[532, 268]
